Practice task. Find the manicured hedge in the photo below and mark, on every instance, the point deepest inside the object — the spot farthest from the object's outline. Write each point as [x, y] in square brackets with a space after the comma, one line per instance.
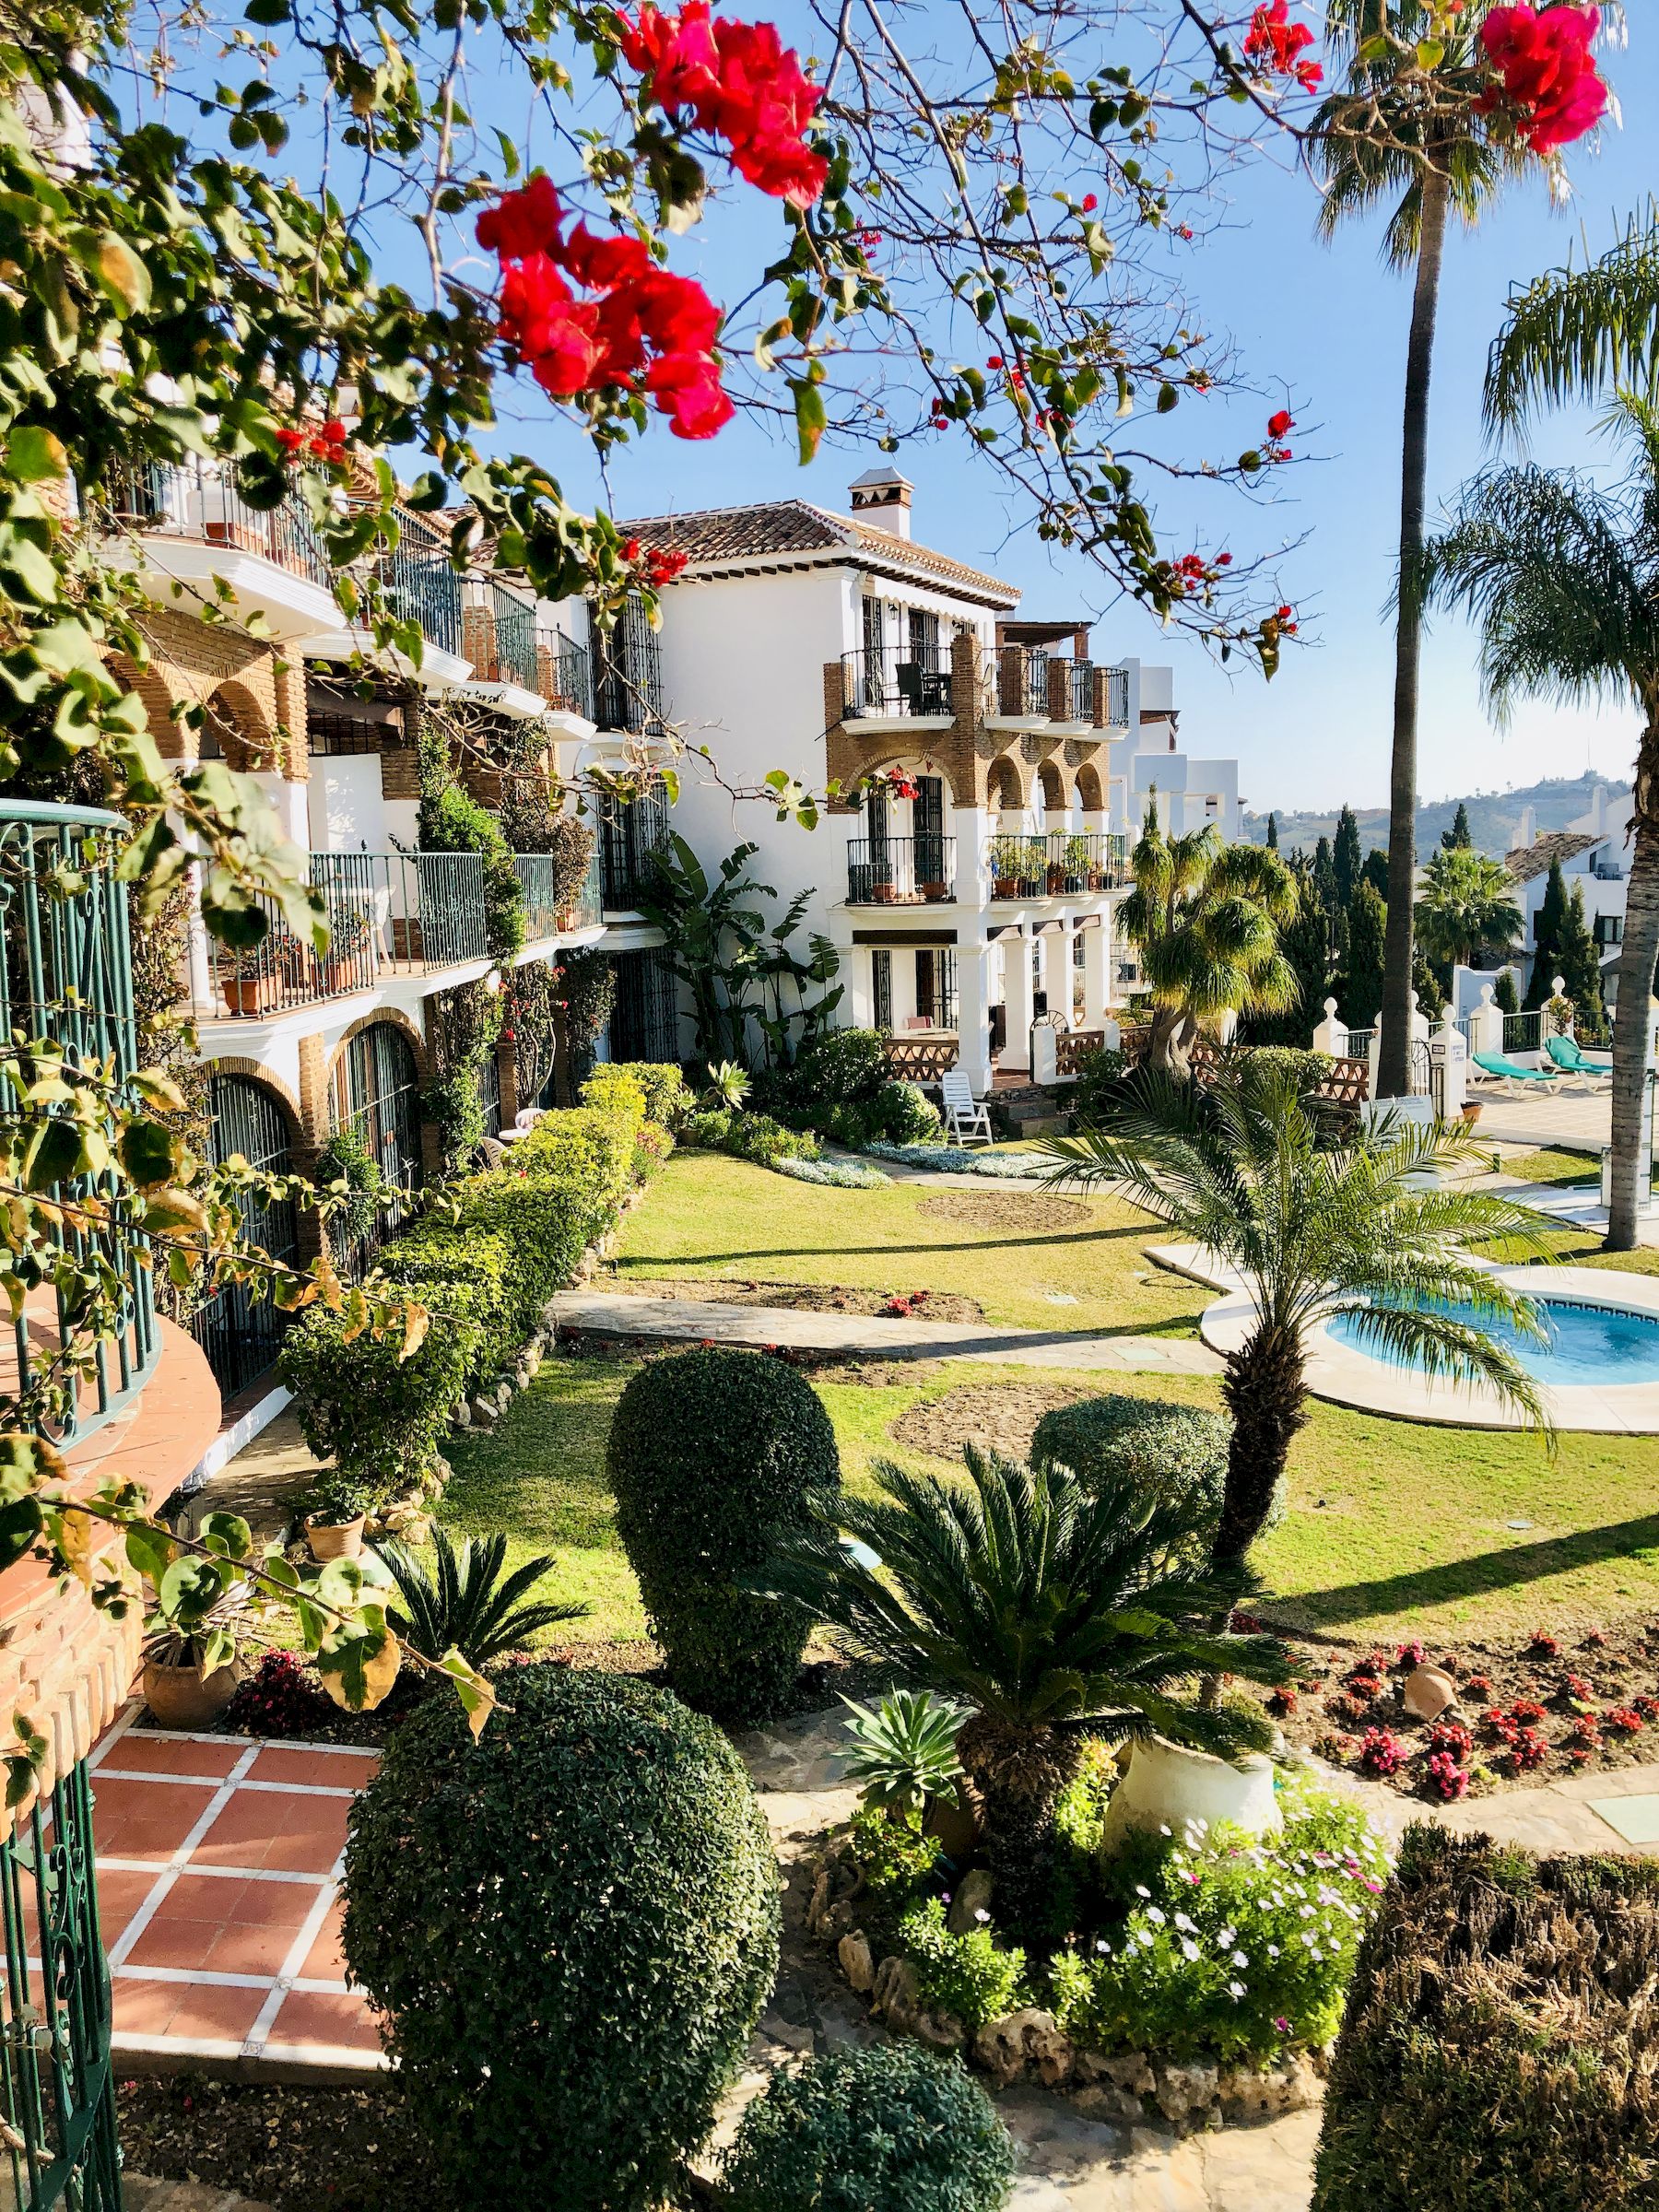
[571, 1924]
[1176, 1452]
[486, 1263]
[889, 2128]
[1500, 2051]
[714, 1455]
[660, 1084]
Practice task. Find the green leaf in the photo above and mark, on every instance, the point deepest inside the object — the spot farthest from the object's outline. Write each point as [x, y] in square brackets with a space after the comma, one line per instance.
[811, 419]
[34, 455]
[150, 1550]
[122, 275]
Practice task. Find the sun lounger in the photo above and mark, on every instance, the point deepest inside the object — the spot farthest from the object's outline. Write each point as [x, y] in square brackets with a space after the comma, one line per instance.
[1568, 1056]
[1511, 1072]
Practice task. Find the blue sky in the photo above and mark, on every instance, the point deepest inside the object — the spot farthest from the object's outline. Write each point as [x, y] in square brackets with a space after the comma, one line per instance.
[1326, 325]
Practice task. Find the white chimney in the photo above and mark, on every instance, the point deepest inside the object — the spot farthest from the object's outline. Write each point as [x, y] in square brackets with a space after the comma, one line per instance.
[883, 496]
[1526, 829]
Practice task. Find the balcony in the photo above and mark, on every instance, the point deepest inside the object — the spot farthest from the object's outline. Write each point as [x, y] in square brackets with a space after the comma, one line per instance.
[1016, 686]
[630, 833]
[544, 916]
[1060, 864]
[900, 871]
[906, 685]
[564, 674]
[389, 913]
[193, 527]
[420, 581]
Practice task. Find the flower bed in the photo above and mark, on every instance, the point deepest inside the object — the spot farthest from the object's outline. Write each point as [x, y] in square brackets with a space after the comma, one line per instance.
[1522, 1713]
[1202, 1977]
[957, 1159]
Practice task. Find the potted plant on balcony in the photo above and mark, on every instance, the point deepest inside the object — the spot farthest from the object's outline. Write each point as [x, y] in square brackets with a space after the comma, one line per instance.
[1056, 878]
[189, 1679]
[934, 891]
[333, 1525]
[250, 981]
[343, 965]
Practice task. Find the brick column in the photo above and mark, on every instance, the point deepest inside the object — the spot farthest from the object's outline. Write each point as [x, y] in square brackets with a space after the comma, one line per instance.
[477, 642]
[506, 1052]
[313, 1136]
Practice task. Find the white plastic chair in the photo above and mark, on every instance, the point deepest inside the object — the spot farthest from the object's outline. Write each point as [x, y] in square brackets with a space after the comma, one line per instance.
[967, 1119]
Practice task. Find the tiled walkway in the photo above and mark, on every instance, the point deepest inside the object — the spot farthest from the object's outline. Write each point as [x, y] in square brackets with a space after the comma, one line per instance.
[219, 1862]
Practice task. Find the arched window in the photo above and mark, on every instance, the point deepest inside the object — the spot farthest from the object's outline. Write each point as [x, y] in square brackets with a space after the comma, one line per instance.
[377, 1092]
[240, 1329]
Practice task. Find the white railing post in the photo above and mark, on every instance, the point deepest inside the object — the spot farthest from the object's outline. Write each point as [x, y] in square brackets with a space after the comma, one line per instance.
[1045, 1053]
[1450, 1067]
[1331, 1036]
[1486, 1024]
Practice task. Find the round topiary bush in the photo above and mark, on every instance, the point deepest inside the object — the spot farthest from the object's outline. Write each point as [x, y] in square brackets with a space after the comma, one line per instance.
[572, 1924]
[714, 1455]
[1178, 1452]
[890, 2128]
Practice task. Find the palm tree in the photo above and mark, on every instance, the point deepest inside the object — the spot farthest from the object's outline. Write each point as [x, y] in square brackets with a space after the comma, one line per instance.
[1361, 1228]
[1206, 919]
[1403, 128]
[464, 1604]
[1563, 578]
[1045, 1607]
[1466, 906]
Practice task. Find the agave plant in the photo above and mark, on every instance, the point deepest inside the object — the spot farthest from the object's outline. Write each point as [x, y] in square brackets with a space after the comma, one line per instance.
[1049, 1609]
[904, 1752]
[728, 1084]
[464, 1604]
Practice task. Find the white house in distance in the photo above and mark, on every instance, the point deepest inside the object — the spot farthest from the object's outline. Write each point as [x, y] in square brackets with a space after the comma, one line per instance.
[971, 889]
[1593, 851]
[1149, 762]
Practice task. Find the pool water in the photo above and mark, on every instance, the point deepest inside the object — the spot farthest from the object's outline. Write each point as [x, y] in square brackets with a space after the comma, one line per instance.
[1595, 1345]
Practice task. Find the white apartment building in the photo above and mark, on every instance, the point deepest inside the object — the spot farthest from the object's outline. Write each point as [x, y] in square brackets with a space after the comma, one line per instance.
[1594, 854]
[990, 773]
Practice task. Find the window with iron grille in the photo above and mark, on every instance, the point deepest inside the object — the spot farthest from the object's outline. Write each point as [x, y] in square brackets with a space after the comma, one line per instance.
[490, 1092]
[630, 832]
[645, 1023]
[329, 734]
[377, 1092]
[240, 1329]
[881, 989]
[628, 671]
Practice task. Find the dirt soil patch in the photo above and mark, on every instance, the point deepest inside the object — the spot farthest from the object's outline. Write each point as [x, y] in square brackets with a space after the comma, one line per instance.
[1532, 1712]
[805, 1298]
[1006, 1209]
[998, 1417]
[300, 2148]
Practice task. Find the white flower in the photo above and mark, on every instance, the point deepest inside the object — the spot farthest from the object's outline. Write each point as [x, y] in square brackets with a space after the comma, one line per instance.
[1273, 1950]
[1155, 1916]
[1319, 1955]
[1235, 1988]
[1239, 1959]
[1226, 1937]
[1104, 1949]
[1184, 1923]
[1189, 1950]
[1164, 1828]
[1141, 1889]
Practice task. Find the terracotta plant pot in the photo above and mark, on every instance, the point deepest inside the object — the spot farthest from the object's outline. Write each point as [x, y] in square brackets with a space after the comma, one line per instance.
[1003, 888]
[182, 1697]
[249, 993]
[1057, 879]
[934, 892]
[1473, 1109]
[882, 893]
[334, 1539]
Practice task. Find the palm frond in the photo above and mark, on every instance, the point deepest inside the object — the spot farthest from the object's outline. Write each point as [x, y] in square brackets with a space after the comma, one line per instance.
[1579, 331]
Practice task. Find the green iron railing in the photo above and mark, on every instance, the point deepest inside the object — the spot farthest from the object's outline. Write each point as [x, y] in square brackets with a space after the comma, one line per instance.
[422, 583]
[515, 638]
[566, 673]
[544, 915]
[57, 2094]
[67, 974]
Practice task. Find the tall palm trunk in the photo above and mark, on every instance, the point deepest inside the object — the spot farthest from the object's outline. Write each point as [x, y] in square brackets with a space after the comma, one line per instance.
[1264, 1389]
[1393, 1058]
[1636, 960]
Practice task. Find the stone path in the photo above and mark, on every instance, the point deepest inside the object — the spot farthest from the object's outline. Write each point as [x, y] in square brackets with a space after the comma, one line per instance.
[261, 1483]
[141, 2193]
[603, 1313]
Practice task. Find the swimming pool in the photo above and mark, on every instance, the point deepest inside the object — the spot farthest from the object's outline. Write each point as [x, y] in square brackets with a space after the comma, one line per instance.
[1587, 1345]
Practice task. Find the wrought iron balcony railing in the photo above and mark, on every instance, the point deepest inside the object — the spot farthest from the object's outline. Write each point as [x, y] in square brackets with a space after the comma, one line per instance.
[1071, 689]
[564, 673]
[389, 913]
[1058, 864]
[1018, 681]
[1115, 707]
[65, 973]
[896, 680]
[545, 916]
[199, 499]
[515, 637]
[421, 581]
[900, 871]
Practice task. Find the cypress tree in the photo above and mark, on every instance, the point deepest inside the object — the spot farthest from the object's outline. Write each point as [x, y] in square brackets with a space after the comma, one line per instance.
[1273, 833]
[1346, 858]
[1459, 832]
[1375, 872]
[1359, 986]
[1550, 931]
[1503, 992]
[1581, 970]
[1324, 878]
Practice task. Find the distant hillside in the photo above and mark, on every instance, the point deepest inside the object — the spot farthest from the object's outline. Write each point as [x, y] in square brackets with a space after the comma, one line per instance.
[1493, 816]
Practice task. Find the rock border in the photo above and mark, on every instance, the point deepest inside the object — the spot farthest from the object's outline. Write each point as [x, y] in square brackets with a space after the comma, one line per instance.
[1131, 2089]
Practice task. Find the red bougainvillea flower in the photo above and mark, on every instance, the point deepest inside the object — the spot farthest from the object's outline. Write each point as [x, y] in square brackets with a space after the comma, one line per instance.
[290, 441]
[1089, 203]
[739, 82]
[1281, 422]
[1277, 44]
[663, 566]
[1547, 77]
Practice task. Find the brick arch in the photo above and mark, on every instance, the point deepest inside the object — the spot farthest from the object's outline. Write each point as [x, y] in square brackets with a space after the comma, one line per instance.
[399, 1021]
[159, 703]
[1091, 797]
[255, 1071]
[235, 718]
[1051, 778]
[1006, 788]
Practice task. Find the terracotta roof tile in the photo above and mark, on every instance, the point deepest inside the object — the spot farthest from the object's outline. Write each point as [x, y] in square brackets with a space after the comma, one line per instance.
[1528, 861]
[785, 526]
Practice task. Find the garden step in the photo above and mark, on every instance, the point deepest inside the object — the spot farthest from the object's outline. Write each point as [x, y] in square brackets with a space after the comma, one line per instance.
[602, 1314]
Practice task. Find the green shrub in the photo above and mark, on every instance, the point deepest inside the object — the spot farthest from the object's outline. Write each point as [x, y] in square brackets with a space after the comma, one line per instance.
[842, 1067]
[753, 1136]
[378, 1417]
[1307, 1070]
[714, 1455]
[346, 1159]
[1178, 1453]
[456, 822]
[889, 2128]
[1100, 1076]
[613, 1087]
[667, 1098]
[571, 1924]
[968, 1975]
[1496, 2054]
[898, 1115]
[897, 1859]
[1247, 1959]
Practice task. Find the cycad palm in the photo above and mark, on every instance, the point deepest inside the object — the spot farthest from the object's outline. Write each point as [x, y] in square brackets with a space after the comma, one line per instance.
[1402, 129]
[1206, 919]
[1314, 1231]
[1467, 905]
[1563, 579]
[464, 1604]
[1042, 1606]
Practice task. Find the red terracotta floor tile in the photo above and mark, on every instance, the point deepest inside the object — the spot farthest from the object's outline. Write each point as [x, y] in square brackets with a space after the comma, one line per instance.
[295, 1762]
[120, 1894]
[227, 1927]
[146, 1819]
[344, 2021]
[185, 2008]
[326, 1962]
[150, 1751]
[268, 1828]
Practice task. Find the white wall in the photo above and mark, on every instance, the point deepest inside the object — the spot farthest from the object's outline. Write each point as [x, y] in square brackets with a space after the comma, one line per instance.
[346, 811]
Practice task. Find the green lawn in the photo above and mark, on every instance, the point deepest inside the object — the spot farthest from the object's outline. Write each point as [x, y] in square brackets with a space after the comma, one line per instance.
[1393, 1527]
[709, 1214]
[1554, 1164]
